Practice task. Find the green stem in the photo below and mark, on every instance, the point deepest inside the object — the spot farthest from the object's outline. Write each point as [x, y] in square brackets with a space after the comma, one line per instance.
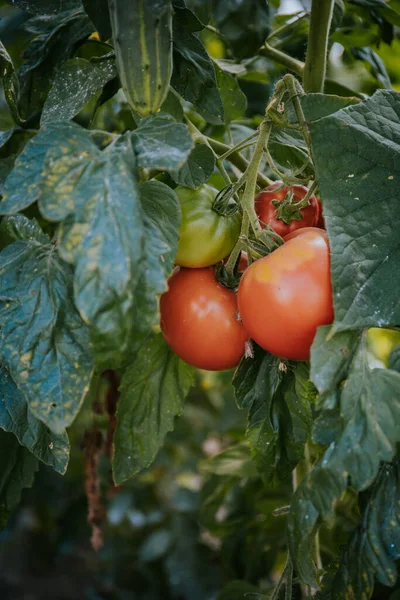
[303, 203]
[222, 170]
[237, 160]
[252, 173]
[295, 90]
[294, 65]
[295, 19]
[317, 48]
[240, 146]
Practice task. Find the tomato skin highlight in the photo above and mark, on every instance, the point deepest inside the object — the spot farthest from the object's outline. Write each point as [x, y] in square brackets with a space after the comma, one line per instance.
[199, 320]
[285, 296]
[205, 237]
[266, 211]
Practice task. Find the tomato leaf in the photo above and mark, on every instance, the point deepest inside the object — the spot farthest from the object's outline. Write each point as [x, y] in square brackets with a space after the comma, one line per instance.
[44, 343]
[375, 544]
[59, 36]
[75, 83]
[46, 7]
[161, 222]
[10, 83]
[365, 435]
[354, 153]
[17, 471]
[102, 226]
[244, 24]
[17, 418]
[162, 143]
[21, 188]
[317, 106]
[98, 13]
[186, 17]
[197, 169]
[153, 390]
[279, 420]
[194, 77]
[233, 99]
[19, 227]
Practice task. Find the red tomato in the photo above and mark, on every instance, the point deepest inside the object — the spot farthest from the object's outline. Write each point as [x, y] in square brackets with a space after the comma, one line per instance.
[199, 320]
[285, 296]
[266, 211]
[321, 221]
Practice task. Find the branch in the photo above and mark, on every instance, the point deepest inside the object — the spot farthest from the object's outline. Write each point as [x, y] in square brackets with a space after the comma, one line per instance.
[317, 48]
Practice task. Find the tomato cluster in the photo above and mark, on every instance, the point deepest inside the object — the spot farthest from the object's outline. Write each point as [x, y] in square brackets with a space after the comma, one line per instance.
[282, 297]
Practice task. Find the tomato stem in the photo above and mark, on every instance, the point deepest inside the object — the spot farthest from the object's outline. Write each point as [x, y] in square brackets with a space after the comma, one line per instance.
[317, 48]
[252, 171]
[295, 90]
[237, 160]
[294, 65]
[240, 146]
[295, 19]
[304, 202]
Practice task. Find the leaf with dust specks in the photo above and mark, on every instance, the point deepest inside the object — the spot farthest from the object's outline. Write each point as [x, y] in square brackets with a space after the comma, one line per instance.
[21, 188]
[153, 390]
[162, 143]
[43, 342]
[17, 418]
[74, 85]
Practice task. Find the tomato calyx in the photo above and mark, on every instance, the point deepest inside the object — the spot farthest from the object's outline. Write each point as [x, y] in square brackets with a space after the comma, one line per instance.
[287, 210]
[224, 203]
[229, 280]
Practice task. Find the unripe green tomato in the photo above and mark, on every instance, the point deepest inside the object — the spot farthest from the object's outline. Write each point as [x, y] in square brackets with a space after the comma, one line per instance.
[205, 237]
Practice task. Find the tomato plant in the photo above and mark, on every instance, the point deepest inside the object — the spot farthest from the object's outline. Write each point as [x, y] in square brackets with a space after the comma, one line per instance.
[118, 124]
[205, 237]
[199, 320]
[267, 208]
[286, 295]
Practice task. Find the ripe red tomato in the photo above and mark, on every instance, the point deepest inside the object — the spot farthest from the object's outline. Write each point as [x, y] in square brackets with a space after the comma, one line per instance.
[267, 212]
[199, 320]
[285, 296]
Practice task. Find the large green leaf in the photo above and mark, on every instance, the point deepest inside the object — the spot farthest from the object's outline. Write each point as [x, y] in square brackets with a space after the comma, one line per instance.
[17, 418]
[44, 343]
[366, 432]
[197, 169]
[75, 83]
[153, 390]
[17, 471]
[162, 143]
[194, 77]
[109, 227]
[244, 24]
[279, 420]
[357, 158]
[101, 232]
[375, 545]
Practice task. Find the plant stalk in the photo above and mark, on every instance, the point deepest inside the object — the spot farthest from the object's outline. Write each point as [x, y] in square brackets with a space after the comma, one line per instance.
[317, 48]
[294, 65]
